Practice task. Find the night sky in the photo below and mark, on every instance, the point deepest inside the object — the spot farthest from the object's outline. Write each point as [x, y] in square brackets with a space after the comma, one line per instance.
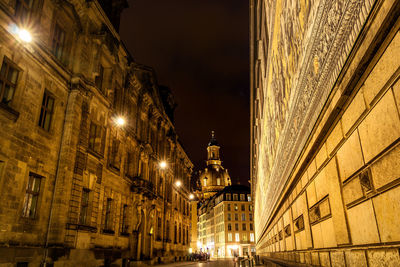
[199, 49]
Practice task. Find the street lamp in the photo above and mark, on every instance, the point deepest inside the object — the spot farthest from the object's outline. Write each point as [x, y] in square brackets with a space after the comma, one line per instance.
[24, 35]
[178, 183]
[191, 196]
[120, 121]
[163, 164]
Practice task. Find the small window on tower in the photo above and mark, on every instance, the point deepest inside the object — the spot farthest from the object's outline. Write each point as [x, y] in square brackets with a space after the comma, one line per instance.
[218, 181]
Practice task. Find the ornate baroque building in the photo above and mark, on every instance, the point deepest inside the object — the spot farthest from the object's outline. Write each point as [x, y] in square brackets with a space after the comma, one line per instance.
[325, 146]
[83, 130]
[214, 177]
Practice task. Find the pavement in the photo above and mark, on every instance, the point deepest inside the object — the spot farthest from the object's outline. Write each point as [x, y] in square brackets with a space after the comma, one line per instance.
[210, 263]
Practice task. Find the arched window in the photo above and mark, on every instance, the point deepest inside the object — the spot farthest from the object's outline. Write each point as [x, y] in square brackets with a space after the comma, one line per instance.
[218, 181]
[205, 181]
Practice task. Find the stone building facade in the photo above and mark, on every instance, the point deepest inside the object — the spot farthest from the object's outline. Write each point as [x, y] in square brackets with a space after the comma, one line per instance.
[225, 224]
[325, 131]
[83, 130]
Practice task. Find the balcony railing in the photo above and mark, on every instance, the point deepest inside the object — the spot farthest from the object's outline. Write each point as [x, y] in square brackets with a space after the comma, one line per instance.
[142, 186]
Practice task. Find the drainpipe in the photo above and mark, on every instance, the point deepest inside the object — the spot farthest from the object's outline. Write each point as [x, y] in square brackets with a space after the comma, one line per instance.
[55, 185]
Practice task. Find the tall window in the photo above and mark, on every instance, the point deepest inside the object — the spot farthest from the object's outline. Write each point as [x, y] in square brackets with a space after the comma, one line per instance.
[237, 237]
[243, 207]
[115, 159]
[235, 197]
[229, 207]
[8, 81]
[218, 181]
[175, 234]
[251, 237]
[251, 227]
[108, 218]
[83, 216]
[243, 227]
[24, 10]
[167, 231]
[96, 138]
[236, 227]
[229, 237]
[243, 216]
[159, 228]
[205, 181]
[250, 216]
[46, 111]
[180, 233]
[58, 42]
[236, 217]
[242, 197]
[124, 226]
[229, 227]
[236, 207]
[228, 197]
[229, 217]
[31, 196]
[244, 237]
[98, 81]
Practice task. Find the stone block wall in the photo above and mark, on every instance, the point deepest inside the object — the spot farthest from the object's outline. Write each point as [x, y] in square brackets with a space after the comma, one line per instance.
[339, 203]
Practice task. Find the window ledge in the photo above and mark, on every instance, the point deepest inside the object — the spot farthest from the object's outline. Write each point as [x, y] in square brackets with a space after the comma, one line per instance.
[74, 226]
[10, 113]
[108, 232]
[94, 153]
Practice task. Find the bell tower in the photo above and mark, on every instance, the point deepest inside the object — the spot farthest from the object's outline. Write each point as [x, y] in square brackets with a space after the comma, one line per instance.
[213, 151]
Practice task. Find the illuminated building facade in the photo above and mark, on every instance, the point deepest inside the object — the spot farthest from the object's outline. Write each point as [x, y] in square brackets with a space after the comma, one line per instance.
[226, 223]
[84, 129]
[325, 140]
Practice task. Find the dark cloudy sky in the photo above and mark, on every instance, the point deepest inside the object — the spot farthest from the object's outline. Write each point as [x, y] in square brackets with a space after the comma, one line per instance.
[199, 48]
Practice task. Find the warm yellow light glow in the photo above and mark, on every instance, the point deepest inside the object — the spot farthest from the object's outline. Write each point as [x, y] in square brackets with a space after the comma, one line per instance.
[178, 183]
[163, 164]
[191, 196]
[190, 250]
[120, 121]
[24, 35]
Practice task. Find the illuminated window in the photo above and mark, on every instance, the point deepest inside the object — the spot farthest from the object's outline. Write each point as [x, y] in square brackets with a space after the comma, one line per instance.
[237, 237]
[251, 237]
[218, 181]
[244, 237]
[205, 181]
[31, 196]
[249, 198]
[229, 237]
[8, 81]
[236, 207]
[46, 111]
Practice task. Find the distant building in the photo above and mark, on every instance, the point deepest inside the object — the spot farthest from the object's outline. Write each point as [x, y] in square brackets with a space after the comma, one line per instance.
[83, 130]
[325, 131]
[226, 223]
[214, 177]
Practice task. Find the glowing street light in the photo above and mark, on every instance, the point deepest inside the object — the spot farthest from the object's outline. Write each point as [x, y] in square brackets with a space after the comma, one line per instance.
[178, 183]
[191, 196]
[163, 164]
[120, 121]
[24, 35]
